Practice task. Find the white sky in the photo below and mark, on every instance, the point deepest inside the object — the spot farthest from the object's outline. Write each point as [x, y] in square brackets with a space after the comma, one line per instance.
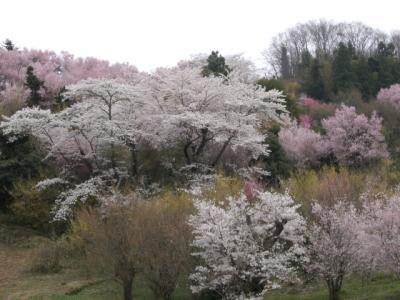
[155, 33]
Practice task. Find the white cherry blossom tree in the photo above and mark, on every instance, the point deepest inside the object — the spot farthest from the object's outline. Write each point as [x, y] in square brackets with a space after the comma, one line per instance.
[247, 246]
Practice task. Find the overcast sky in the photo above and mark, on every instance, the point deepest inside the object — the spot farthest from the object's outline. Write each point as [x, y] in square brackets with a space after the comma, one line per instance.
[151, 33]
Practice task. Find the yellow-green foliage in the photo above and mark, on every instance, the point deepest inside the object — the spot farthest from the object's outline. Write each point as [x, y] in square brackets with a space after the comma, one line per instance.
[293, 89]
[32, 207]
[329, 184]
[11, 107]
[151, 237]
[222, 188]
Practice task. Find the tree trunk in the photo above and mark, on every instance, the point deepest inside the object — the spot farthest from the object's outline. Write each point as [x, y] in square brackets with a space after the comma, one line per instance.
[334, 289]
[128, 289]
[186, 152]
[203, 142]
[221, 152]
[134, 163]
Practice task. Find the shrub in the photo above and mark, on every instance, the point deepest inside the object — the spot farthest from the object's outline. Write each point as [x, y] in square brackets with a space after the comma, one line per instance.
[31, 207]
[109, 241]
[329, 185]
[164, 239]
[130, 236]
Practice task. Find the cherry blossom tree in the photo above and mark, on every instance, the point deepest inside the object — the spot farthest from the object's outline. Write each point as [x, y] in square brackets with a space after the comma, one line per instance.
[103, 116]
[390, 96]
[316, 109]
[211, 112]
[381, 234]
[247, 247]
[55, 70]
[334, 244]
[303, 146]
[354, 138]
[173, 108]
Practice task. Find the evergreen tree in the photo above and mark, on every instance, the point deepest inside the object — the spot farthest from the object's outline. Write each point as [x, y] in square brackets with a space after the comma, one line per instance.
[285, 69]
[215, 65]
[365, 79]
[276, 162]
[34, 85]
[385, 50]
[314, 84]
[342, 73]
[386, 65]
[19, 159]
[9, 45]
[304, 66]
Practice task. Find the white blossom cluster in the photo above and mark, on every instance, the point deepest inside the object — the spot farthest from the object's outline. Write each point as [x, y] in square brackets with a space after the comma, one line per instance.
[246, 247]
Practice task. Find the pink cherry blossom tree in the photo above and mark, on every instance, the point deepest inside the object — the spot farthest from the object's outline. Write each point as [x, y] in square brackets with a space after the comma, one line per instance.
[55, 70]
[334, 244]
[354, 138]
[390, 96]
[303, 146]
[381, 234]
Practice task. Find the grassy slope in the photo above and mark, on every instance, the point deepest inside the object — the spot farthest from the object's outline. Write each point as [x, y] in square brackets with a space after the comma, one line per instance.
[16, 282]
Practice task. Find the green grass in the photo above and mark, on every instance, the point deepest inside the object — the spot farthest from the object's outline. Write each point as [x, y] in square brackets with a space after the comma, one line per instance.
[380, 288]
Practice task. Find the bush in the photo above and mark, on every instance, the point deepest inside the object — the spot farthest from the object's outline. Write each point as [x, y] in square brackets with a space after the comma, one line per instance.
[327, 186]
[32, 208]
[130, 236]
[164, 238]
[109, 241]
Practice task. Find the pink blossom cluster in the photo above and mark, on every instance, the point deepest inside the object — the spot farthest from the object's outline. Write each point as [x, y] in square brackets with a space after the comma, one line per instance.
[56, 70]
[354, 138]
[302, 145]
[390, 96]
[305, 121]
[351, 138]
[314, 105]
[344, 240]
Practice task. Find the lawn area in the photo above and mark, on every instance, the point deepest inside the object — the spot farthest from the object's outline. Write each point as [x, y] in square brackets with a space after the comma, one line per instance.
[381, 288]
[74, 283]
